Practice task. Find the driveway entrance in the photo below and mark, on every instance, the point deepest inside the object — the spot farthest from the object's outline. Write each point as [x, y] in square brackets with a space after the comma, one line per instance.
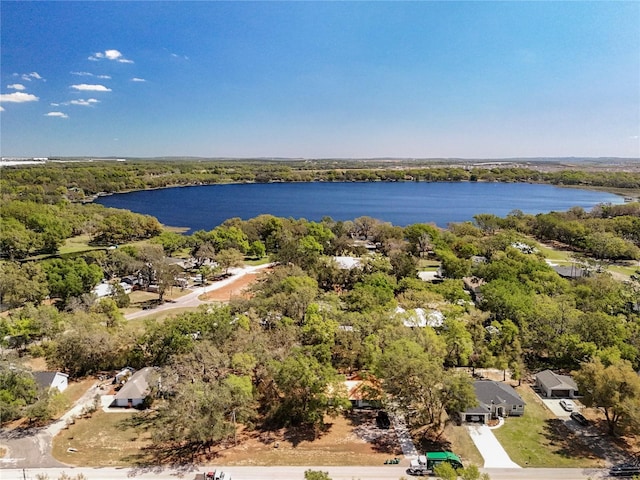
[489, 447]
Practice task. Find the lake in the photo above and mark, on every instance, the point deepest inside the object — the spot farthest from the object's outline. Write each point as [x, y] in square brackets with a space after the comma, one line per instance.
[401, 203]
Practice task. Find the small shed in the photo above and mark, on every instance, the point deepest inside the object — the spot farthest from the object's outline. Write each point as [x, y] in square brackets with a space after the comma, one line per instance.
[49, 380]
[552, 384]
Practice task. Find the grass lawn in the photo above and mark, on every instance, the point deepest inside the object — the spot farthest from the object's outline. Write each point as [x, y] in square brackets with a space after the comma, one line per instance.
[105, 439]
[462, 445]
[78, 244]
[556, 256]
[539, 439]
[427, 265]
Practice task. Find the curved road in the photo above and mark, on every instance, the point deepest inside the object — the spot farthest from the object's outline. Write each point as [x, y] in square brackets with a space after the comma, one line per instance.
[191, 299]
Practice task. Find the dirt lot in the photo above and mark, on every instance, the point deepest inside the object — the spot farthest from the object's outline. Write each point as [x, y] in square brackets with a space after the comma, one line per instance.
[235, 288]
[348, 440]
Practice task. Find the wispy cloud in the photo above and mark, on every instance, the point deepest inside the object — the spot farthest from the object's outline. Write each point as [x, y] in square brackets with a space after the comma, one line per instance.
[114, 55]
[17, 86]
[84, 103]
[1, 108]
[89, 74]
[56, 114]
[136, 79]
[175, 55]
[90, 88]
[29, 76]
[18, 97]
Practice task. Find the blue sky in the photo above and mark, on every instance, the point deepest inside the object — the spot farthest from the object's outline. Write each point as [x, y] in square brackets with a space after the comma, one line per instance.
[320, 79]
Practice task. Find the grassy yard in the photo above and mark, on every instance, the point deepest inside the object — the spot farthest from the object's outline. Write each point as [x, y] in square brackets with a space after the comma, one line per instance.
[462, 445]
[105, 439]
[538, 439]
[428, 265]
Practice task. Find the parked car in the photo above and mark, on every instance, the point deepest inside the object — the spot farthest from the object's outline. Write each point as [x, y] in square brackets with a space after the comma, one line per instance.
[625, 470]
[568, 405]
[382, 420]
[579, 418]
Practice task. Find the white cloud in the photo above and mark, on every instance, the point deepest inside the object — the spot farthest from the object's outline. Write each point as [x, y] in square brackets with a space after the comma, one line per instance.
[89, 74]
[84, 103]
[114, 55]
[56, 114]
[1, 108]
[30, 76]
[17, 86]
[91, 88]
[54, 104]
[175, 55]
[136, 79]
[18, 97]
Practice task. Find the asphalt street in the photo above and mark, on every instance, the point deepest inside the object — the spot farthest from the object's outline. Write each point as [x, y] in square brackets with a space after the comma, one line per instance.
[383, 472]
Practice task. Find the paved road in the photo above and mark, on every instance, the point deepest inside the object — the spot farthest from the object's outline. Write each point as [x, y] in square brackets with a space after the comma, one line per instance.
[191, 299]
[32, 447]
[383, 472]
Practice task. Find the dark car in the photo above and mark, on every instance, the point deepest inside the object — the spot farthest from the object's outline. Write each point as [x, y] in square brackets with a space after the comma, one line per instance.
[625, 470]
[579, 418]
[382, 420]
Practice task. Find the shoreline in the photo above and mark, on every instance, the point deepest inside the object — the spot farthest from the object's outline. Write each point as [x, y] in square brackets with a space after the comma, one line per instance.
[633, 193]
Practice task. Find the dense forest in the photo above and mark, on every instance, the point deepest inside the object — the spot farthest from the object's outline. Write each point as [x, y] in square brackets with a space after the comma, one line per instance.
[277, 356]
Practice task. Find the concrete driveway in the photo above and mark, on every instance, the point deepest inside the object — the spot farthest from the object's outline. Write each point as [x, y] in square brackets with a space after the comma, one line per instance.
[553, 404]
[490, 449]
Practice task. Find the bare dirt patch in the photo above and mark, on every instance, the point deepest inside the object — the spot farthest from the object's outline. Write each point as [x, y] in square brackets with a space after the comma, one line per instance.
[111, 439]
[236, 288]
[353, 439]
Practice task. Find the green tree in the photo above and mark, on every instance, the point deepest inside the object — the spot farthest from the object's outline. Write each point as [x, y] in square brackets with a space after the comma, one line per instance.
[171, 242]
[445, 471]
[71, 277]
[316, 475]
[17, 390]
[614, 388]
[229, 258]
[309, 390]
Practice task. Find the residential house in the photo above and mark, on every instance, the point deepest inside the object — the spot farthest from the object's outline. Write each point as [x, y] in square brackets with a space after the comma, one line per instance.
[363, 393]
[347, 263]
[419, 317]
[552, 384]
[570, 272]
[135, 390]
[474, 286]
[495, 399]
[49, 380]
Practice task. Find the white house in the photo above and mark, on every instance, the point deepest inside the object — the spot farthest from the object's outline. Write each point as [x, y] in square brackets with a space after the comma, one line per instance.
[48, 380]
[419, 317]
[135, 390]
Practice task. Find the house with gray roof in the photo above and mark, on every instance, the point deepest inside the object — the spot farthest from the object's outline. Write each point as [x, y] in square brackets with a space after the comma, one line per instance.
[49, 380]
[135, 390]
[495, 399]
[552, 384]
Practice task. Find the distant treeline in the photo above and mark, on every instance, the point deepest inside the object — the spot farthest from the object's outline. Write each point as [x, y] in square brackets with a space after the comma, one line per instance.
[53, 182]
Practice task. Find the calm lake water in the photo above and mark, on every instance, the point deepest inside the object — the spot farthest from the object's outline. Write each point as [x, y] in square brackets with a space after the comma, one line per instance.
[401, 203]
